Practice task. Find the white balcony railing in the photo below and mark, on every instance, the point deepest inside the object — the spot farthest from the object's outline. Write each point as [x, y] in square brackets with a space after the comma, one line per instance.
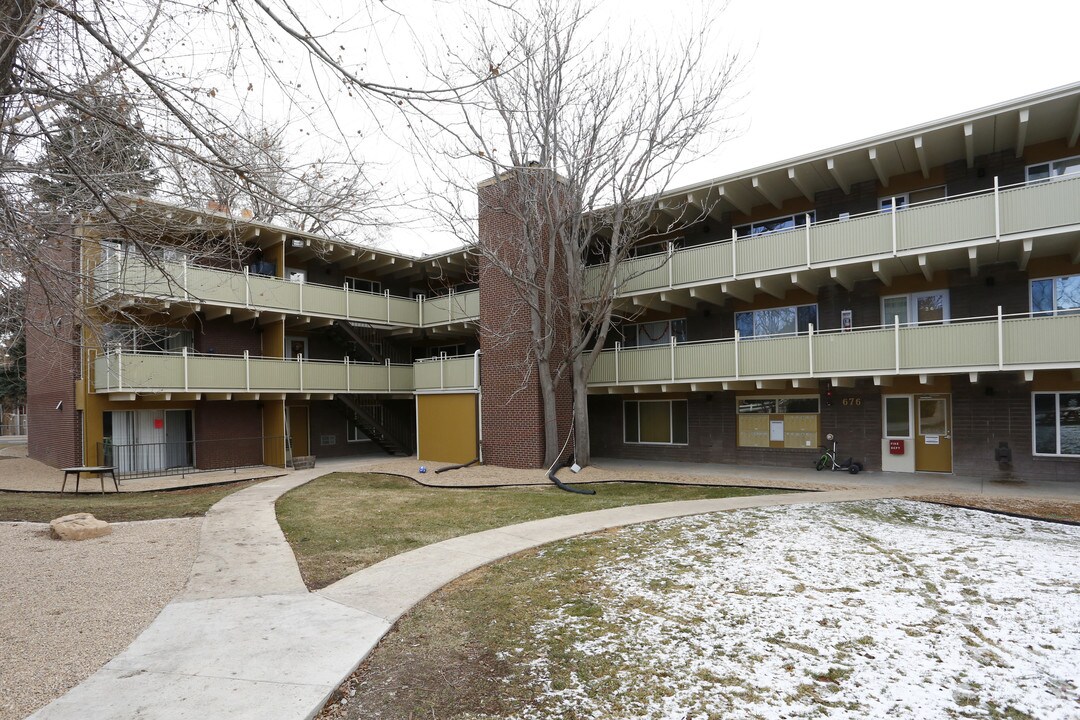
[186, 372]
[1002, 342]
[986, 216]
[130, 276]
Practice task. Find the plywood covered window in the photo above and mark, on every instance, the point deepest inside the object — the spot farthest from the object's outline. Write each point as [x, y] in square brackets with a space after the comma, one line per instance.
[778, 422]
[655, 422]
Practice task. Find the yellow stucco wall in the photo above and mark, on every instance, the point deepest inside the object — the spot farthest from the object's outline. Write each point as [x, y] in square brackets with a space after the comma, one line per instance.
[446, 428]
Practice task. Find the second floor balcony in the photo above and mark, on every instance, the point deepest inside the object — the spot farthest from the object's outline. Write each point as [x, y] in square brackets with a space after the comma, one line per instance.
[140, 373]
[974, 345]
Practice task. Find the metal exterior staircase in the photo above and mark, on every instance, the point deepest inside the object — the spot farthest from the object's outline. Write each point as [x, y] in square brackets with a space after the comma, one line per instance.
[392, 443]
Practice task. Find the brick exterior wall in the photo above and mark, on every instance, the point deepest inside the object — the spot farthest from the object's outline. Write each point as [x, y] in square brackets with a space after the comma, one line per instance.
[225, 433]
[224, 337]
[53, 358]
[512, 418]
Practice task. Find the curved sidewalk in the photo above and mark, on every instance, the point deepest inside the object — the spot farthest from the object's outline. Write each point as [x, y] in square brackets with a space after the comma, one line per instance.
[245, 639]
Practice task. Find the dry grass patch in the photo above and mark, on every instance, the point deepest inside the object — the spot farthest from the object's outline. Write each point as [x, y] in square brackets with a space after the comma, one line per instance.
[344, 522]
[115, 507]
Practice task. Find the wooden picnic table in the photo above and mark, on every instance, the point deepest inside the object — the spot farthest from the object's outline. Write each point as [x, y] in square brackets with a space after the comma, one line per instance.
[99, 470]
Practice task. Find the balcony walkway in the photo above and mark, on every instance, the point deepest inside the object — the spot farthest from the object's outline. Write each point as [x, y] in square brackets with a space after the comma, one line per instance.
[245, 639]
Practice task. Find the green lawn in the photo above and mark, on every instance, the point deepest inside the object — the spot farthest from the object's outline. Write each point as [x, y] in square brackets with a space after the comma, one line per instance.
[112, 507]
[344, 522]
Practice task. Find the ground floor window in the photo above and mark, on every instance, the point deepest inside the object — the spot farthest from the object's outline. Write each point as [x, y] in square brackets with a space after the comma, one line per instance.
[354, 432]
[778, 422]
[898, 417]
[1056, 423]
[143, 441]
[662, 422]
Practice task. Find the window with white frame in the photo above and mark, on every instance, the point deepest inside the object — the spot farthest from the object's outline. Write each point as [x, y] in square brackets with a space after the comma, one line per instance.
[655, 422]
[928, 307]
[655, 333]
[1056, 423]
[790, 320]
[353, 431]
[131, 338]
[1056, 295]
[776, 224]
[1056, 168]
[790, 422]
[362, 285]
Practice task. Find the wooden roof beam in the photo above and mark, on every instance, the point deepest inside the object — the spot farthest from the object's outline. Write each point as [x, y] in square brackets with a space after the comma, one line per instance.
[799, 182]
[1021, 131]
[838, 175]
[879, 167]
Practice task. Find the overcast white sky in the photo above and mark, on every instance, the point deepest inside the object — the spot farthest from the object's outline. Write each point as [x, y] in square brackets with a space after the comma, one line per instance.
[819, 73]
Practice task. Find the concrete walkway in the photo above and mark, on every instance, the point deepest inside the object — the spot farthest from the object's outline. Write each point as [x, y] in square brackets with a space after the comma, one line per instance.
[246, 639]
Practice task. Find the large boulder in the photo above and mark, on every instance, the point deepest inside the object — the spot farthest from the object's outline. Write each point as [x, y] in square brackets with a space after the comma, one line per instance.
[78, 526]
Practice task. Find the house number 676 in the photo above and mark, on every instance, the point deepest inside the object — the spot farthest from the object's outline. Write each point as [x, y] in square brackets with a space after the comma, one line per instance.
[852, 401]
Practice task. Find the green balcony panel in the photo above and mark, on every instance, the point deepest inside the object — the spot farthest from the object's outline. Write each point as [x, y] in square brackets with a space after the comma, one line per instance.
[941, 223]
[856, 237]
[956, 345]
[1045, 340]
[771, 251]
[863, 351]
[704, 360]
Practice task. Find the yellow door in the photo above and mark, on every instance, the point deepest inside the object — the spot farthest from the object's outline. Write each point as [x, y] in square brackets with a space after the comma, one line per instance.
[933, 439]
[298, 430]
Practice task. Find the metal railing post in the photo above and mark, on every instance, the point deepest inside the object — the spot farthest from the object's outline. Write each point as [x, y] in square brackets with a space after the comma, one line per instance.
[183, 275]
[302, 283]
[892, 212]
[618, 347]
[442, 372]
[387, 293]
[348, 379]
[736, 354]
[896, 341]
[300, 362]
[184, 352]
[734, 268]
[997, 210]
[450, 305]
[247, 288]
[670, 275]
[389, 385]
[808, 240]
[810, 345]
[672, 344]
[345, 288]
[420, 308]
[1001, 340]
[247, 371]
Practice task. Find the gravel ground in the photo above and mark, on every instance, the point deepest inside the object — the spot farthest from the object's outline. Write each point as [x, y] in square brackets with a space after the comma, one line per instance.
[18, 472]
[67, 608]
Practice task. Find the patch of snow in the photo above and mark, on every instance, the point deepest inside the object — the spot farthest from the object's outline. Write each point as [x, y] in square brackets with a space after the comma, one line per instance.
[877, 609]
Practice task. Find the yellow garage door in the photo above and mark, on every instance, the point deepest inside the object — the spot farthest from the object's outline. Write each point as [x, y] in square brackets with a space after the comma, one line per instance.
[446, 428]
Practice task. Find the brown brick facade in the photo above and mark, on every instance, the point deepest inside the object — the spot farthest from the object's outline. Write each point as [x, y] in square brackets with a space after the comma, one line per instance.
[512, 418]
[52, 357]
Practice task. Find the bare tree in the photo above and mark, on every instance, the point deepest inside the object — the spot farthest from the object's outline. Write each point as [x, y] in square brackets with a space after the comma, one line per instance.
[187, 82]
[585, 138]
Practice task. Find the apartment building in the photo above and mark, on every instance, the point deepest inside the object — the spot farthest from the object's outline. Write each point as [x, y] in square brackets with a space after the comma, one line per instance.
[917, 294]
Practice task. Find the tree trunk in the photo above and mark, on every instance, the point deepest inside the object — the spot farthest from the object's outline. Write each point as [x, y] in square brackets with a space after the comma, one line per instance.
[582, 449]
[551, 417]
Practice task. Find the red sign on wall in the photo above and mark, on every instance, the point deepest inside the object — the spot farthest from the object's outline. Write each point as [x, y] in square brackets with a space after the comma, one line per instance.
[158, 423]
[896, 447]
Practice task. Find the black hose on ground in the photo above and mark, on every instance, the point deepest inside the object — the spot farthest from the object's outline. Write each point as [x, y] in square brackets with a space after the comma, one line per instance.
[457, 467]
[552, 476]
